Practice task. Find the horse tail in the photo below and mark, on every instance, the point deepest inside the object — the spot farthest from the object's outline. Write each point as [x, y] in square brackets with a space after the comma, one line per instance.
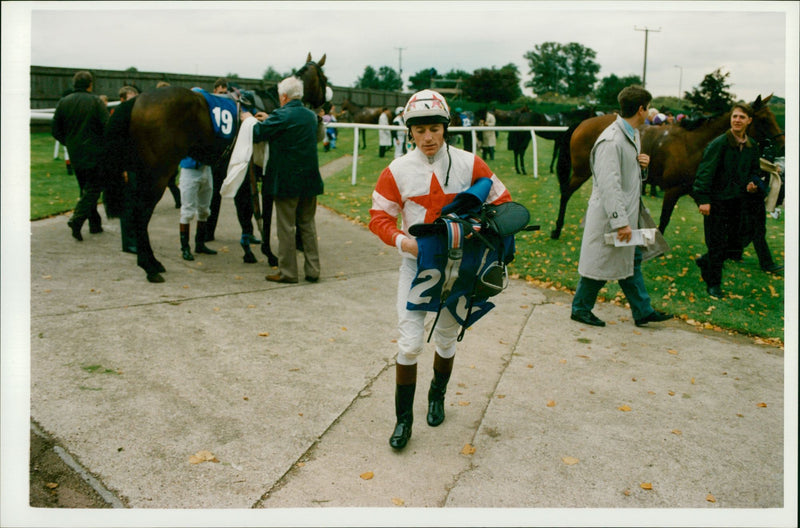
[118, 156]
[564, 165]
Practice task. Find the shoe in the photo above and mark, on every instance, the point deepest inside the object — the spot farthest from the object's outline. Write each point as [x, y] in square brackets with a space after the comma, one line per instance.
[312, 279]
[655, 317]
[76, 230]
[186, 253]
[280, 278]
[587, 318]
[772, 268]
[95, 229]
[716, 291]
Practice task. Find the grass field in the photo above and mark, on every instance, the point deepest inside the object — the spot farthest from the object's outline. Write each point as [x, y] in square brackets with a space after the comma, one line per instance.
[755, 301]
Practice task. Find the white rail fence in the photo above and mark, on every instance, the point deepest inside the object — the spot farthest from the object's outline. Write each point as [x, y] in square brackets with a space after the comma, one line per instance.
[45, 115]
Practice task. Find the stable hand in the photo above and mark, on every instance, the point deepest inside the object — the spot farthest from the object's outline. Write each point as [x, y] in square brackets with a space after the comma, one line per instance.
[624, 233]
[705, 209]
[751, 187]
[644, 160]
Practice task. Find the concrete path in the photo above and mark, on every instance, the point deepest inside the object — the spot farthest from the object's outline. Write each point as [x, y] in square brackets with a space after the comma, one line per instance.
[289, 390]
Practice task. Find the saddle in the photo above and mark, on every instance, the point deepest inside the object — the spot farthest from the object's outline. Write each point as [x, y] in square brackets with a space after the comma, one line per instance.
[463, 255]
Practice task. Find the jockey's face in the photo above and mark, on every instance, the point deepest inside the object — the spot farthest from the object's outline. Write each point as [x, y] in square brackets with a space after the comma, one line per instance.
[429, 138]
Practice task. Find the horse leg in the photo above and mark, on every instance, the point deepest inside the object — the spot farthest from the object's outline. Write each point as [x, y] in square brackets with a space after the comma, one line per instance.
[522, 159]
[566, 193]
[671, 197]
[555, 155]
[266, 217]
[144, 251]
[363, 138]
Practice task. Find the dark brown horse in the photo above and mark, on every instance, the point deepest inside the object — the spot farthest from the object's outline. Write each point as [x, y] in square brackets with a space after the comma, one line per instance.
[675, 153]
[353, 113]
[149, 136]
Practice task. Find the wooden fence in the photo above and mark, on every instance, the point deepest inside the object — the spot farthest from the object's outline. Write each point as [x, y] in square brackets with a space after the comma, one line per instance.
[48, 84]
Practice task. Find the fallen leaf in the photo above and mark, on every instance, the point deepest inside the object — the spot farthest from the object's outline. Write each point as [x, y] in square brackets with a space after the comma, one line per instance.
[646, 486]
[677, 432]
[52, 485]
[245, 398]
[627, 493]
[463, 403]
[762, 404]
[202, 456]
[501, 396]
[300, 464]
[251, 305]
[671, 393]
[674, 352]
[624, 408]
[344, 329]
[711, 498]
[398, 502]
[368, 475]
[570, 461]
[468, 450]
[263, 334]
[692, 380]
[551, 403]
[562, 361]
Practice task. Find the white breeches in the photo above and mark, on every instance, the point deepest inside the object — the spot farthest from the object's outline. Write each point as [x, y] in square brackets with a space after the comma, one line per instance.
[411, 323]
[196, 187]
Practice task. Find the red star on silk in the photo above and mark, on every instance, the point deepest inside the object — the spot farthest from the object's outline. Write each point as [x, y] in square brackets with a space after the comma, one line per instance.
[434, 200]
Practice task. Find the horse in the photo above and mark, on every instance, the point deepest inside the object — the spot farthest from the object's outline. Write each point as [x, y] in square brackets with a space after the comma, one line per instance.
[353, 113]
[151, 133]
[675, 153]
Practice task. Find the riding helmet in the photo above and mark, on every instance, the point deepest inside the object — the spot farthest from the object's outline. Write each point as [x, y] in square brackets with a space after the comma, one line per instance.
[426, 107]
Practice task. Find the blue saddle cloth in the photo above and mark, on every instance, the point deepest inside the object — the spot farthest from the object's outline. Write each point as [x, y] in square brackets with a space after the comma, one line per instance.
[224, 117]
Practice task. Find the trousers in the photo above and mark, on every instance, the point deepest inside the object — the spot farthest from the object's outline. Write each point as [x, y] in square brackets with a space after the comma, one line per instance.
[196, 188]
[300, 212]
[411, 323]
[633, 287]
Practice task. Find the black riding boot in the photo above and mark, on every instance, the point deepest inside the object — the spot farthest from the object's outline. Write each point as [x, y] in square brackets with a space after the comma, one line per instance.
[186, 251]
[441, 375]
[404, 405]
[200, 240]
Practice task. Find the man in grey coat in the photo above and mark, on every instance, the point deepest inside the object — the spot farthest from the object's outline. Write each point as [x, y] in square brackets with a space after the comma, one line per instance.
[616, 162]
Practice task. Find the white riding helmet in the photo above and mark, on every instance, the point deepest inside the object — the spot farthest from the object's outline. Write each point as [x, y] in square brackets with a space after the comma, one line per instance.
[425, 107]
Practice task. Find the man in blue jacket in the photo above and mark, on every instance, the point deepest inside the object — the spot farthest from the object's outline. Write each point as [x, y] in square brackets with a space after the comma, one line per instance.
[292, 178]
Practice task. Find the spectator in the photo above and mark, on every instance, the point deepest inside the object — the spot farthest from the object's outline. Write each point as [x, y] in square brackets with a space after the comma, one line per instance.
[78, 123]
[330, 133]
[489, 137]
[384, 136]
[616, 163]
[416, 187]
[293, 179]
[399, 135]
[126, 223]
[728, 170]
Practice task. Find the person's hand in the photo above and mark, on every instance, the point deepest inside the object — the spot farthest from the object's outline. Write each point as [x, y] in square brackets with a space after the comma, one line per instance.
[624, 233]
[244, 115]
[705, 209]
[644, 160]
[751, 187]
[409, 245]
[261, 116]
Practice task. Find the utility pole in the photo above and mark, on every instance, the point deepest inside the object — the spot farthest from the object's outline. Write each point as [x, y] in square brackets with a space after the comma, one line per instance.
[400, 65]
[680, 82]
[644, 69]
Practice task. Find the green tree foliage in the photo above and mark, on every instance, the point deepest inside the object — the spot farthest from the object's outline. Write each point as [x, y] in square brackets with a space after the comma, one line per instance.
[132, 69]
[273, 75]
[232, 76]
[422, 79]
[486, 85]
[563, 69]
[712, 96]
[385, 78]
[610, 86]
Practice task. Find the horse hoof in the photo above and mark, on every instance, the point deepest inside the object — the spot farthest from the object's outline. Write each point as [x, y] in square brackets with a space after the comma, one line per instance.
[554, 234]
[154, 277]
[249, 258]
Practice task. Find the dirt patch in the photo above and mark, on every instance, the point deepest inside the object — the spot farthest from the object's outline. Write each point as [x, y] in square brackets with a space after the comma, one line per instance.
[53, 484]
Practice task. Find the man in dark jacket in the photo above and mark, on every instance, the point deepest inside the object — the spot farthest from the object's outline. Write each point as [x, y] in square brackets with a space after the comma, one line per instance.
[293, 179]
[730, 165]
[78, 123]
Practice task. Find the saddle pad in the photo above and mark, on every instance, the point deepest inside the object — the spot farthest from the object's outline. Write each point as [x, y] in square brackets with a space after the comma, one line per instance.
[224, 114]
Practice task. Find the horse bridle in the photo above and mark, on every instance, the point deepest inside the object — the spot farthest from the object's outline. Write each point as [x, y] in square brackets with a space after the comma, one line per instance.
[320, 76]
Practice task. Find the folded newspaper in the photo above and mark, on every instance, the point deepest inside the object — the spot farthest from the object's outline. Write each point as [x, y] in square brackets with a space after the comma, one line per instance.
[639, 237]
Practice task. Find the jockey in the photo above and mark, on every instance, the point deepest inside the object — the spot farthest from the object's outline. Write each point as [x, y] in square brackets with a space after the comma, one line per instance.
[416, 187]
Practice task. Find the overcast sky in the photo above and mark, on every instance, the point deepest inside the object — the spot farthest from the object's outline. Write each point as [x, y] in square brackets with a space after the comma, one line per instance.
[688, 41]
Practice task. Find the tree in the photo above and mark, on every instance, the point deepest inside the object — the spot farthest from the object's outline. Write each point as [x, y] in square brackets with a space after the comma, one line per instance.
[581, 69]
[385, 78]
[486, 85]
[562, 69]
[712, 96]
[422, 79]
[271, 74]
[132, 69]
[610, 86]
